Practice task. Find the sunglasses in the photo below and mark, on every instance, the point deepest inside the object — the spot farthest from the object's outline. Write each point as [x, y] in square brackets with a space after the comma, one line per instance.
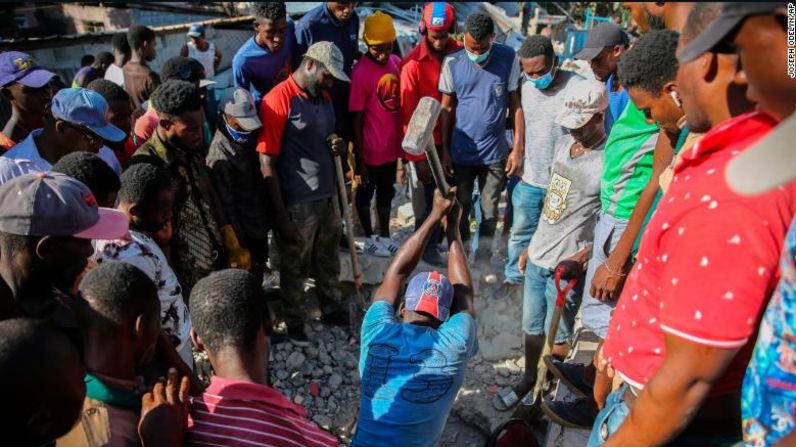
[87, 134]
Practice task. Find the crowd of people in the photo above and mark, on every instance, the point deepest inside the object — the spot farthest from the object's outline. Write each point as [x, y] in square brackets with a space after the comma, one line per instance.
[136, 210]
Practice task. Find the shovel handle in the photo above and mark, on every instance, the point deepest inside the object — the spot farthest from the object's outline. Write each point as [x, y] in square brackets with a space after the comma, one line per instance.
[561, 294]
[338, 166]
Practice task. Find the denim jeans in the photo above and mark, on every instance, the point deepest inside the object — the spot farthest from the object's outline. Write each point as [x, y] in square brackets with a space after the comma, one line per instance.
[616, 411]
[527, 202]
[539, 302]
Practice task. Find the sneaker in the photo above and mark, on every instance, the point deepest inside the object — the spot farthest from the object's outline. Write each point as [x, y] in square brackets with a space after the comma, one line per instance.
[579, 413]
[270, 280]
[373, 247]
[573, 375]
[338, 317]
[297, 336]
[389, 244]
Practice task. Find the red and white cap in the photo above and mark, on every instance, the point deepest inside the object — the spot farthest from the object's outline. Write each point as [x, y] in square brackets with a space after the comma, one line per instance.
[52, 204]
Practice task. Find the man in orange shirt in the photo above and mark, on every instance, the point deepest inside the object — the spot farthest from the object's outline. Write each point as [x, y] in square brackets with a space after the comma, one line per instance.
[420, 73]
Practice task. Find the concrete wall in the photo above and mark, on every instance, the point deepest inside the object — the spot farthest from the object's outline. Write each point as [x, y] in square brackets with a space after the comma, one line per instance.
[65, 60]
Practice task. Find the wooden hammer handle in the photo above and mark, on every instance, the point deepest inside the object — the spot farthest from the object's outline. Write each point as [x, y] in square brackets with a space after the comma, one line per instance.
[436, 168]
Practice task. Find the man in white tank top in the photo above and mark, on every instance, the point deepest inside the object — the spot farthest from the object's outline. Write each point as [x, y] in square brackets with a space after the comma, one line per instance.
[204, 51]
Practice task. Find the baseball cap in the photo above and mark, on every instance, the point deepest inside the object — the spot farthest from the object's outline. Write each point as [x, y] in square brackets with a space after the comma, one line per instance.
[52, 204]
[379, 29]
[439, 16]
[430, 293]
[330, 56]
[196, 30]
[20, 67]
[765, 165]
[732, 15]
[240, 104]
[601, 36]
[583, 100]
[86, 108]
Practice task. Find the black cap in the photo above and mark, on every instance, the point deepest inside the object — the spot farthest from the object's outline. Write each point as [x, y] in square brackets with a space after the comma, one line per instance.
[732, 15]
[599, 37]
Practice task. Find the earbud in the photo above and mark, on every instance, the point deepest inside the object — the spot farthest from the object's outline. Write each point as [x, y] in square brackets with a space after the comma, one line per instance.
[676, 98]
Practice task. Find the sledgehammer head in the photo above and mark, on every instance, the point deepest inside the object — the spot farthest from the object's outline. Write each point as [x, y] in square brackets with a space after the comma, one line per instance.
[421, 127]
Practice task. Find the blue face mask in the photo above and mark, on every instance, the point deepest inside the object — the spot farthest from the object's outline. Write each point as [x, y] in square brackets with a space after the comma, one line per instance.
[542, 82]
[237, 135]
[478, 58]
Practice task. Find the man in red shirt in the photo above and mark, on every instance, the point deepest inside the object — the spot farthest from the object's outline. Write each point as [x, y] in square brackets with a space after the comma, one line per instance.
[420, 73]
[233, 324]
[682, 331]
[297, 147]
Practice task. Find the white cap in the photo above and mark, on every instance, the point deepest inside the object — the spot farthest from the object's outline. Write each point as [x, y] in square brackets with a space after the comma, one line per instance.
[583, 100]
[240, 105]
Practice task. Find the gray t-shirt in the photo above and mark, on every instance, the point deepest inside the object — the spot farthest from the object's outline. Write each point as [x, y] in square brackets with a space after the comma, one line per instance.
[540, 108]
[570, 205]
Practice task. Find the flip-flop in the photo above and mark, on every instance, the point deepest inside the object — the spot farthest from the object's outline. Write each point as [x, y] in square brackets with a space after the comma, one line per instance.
[507, 399]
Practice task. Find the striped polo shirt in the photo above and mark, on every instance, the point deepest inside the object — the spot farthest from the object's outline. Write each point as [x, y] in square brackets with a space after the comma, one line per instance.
[234, 413]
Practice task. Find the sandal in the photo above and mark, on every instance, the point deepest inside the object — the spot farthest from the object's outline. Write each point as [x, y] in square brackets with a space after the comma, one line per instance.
[508, 398]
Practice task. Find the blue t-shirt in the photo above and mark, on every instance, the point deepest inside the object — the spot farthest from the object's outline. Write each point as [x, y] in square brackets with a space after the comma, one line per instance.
[482, 95]
[617, 101]
[259, 70]
[319, 25]
[769, 388]
[410, 376]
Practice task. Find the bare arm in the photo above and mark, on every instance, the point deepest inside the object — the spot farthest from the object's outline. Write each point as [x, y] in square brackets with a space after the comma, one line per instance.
[788, 441]
[274, 191]
[674, 394]
[458, 269]
[604, 285]
[217, 58]
[359, 124]
[447, 115]
[514, 164]
[411, 250]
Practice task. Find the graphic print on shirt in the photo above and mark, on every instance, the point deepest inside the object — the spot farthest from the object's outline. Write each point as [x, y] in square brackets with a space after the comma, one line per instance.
[427, 385]
[377, 364]
[432, 384]
[389, 93]
[555, 202]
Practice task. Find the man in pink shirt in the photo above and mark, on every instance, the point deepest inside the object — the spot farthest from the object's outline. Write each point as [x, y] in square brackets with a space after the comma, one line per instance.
[231, 322]
[375, 103]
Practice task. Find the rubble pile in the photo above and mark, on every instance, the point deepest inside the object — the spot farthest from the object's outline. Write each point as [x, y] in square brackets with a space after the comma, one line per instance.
[323, 377]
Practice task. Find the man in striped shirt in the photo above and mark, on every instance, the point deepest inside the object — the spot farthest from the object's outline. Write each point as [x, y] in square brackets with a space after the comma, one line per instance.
[233, 325]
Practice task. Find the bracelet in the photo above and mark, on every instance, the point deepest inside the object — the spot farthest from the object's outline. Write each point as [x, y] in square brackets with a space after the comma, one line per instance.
[611, 271]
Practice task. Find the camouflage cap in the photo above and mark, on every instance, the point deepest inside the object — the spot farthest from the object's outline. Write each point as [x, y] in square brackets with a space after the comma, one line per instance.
[330, 56]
